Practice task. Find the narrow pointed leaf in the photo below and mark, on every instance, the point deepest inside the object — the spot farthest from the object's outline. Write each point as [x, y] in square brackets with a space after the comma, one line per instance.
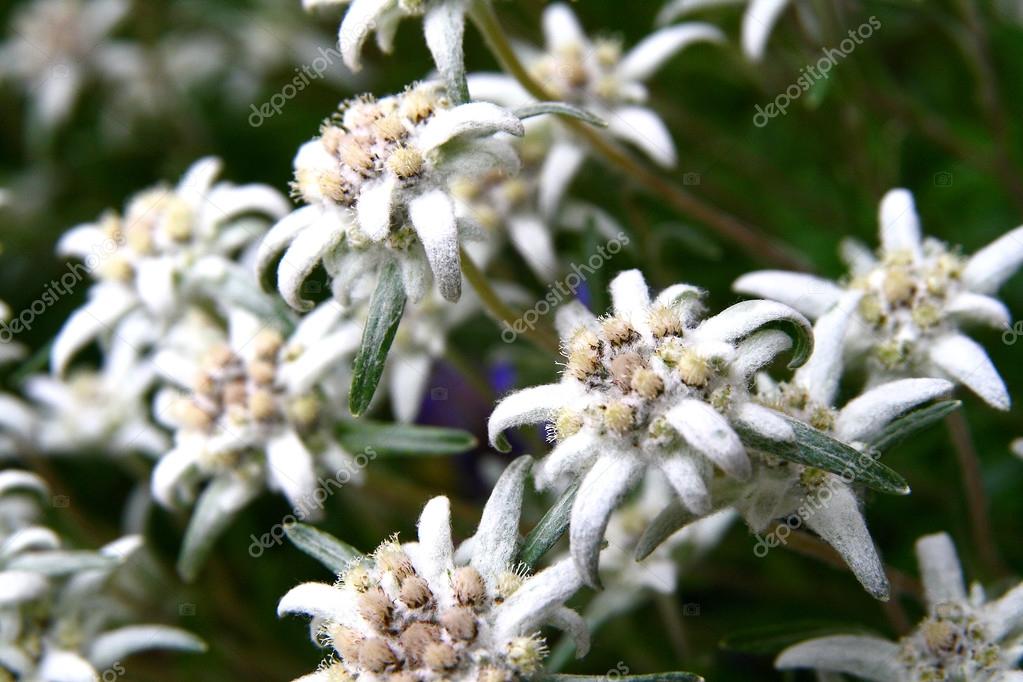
[385, 310]
[908, 424]
[549, 529]
[560, 109]
[404, 440]
[816, 449]
[324, 547]
[768, 640]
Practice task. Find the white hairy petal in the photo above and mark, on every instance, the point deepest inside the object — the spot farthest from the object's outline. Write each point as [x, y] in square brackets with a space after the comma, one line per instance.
[198, 180]
[290, 468]
[106, 305]
[757, 350]
[823, 370]
[532, 238]
[685, 475]
[869, 658]
[813, 296]
[21, 586]
[65, 666]
[539, 596]
[1006, 614]
[472, 119]
[602, 489]
[742, 318]
[572, 316]
[559, 167]
[709, 433]
[318, 600]
[940, 572]
[839, 521]
[764, 421]
[561, 29]
[498, 531]
[990, 267]
[114, 645]
[374, 207]
[900, 225]
[757, 23]
[645, 129]
[436, 550]
[433, 217]
[13, 479]
[630, 298]
[528, 406]
[443, 28]
[979, 309]
[276, 241]
[409, 375]
[676, 8]
[964, 360]
[865, 416]
[358, 22]
[572, 455]
[653, 51]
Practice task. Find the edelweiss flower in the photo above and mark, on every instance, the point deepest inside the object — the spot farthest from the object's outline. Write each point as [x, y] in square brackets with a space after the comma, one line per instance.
[757, 22]
[57, 45]
[828, 503]
[376, 181]
[963, 637]
[443, 27]
[597, 77]
[153, 255]
[916, 295]
[256, 413]
[423, 611]
[649, 387]
[57, 605]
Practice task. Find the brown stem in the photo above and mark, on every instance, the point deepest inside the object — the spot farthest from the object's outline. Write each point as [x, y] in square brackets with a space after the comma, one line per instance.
[752, 240]
[976, 497]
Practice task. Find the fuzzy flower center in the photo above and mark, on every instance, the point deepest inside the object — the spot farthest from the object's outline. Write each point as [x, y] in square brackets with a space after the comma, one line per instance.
[411, 630]
[905, 301]
[580, 73]
[632, 382]
[156, 222]
[228, 392]
[367, 140]
[950, 645]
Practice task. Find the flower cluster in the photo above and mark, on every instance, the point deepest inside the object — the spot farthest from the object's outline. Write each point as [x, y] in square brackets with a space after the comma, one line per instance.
[376, 181]
[917, 295]
[424, 611]
[963, 636]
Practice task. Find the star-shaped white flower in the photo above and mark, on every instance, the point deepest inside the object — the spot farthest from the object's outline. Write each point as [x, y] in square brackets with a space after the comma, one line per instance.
[168, 244]
[431, 612]
[963, 637]
[596, 76]
[758, 20]
[650, 387]
[376, 182]
[918, 294]
[826, 502]
[62, 617]
[250, 412]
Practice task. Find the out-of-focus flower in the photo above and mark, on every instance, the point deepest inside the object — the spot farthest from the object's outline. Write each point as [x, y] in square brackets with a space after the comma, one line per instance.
[828, 503]
[597, 76]
[376, 181]
[427, 612]
[56, 47]
[250, 412]
[650, 387]
[61, 617]
[917, 295]
[963, 637]
[758, 20]
[9, 350]
[155, 255]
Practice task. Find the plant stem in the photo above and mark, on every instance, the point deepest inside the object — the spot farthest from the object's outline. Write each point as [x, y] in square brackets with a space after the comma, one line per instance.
[757, 244]
[976, 498]
[501, 311]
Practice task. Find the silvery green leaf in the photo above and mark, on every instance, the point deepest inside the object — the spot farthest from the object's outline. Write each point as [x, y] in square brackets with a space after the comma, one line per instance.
[403, 440]
[549, 529]
[324, 547]
[60, 562]
[385, 310]
[560, 109]
[768, 640]
[906, 425]
[222, 499]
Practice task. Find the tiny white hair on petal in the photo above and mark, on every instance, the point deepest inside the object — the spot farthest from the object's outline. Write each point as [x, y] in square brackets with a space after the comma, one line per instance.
[302, 257]
[740, 319]
[822, 372]
[653, 51]
[572, 455]
[940, 572]
[433, 217]
[572, 316]
[811, 295]
[291, 469]
[686, 477]
[630, 298]
[528, 406]
[436, 550]
[474, 118]
[758, 350]
[496, 535]
[710, 434]
[373, 207]
[980, 309]
[900, 225]
[561, 28]
[316, 599]
[757, 23]
[559, 168]
[866, 415]
[764, 421]
[645, 129]
[539, 596]
[358, 22]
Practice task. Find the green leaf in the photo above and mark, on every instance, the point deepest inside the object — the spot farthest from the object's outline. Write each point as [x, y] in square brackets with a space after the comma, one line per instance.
[549, 529]
[403, 440]
[770, 639]
[560, 109]
[385, 310]
[815, 449]
[59, 562]
[218, 505]
[324, 547]
[908, 424]
[655, 677]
